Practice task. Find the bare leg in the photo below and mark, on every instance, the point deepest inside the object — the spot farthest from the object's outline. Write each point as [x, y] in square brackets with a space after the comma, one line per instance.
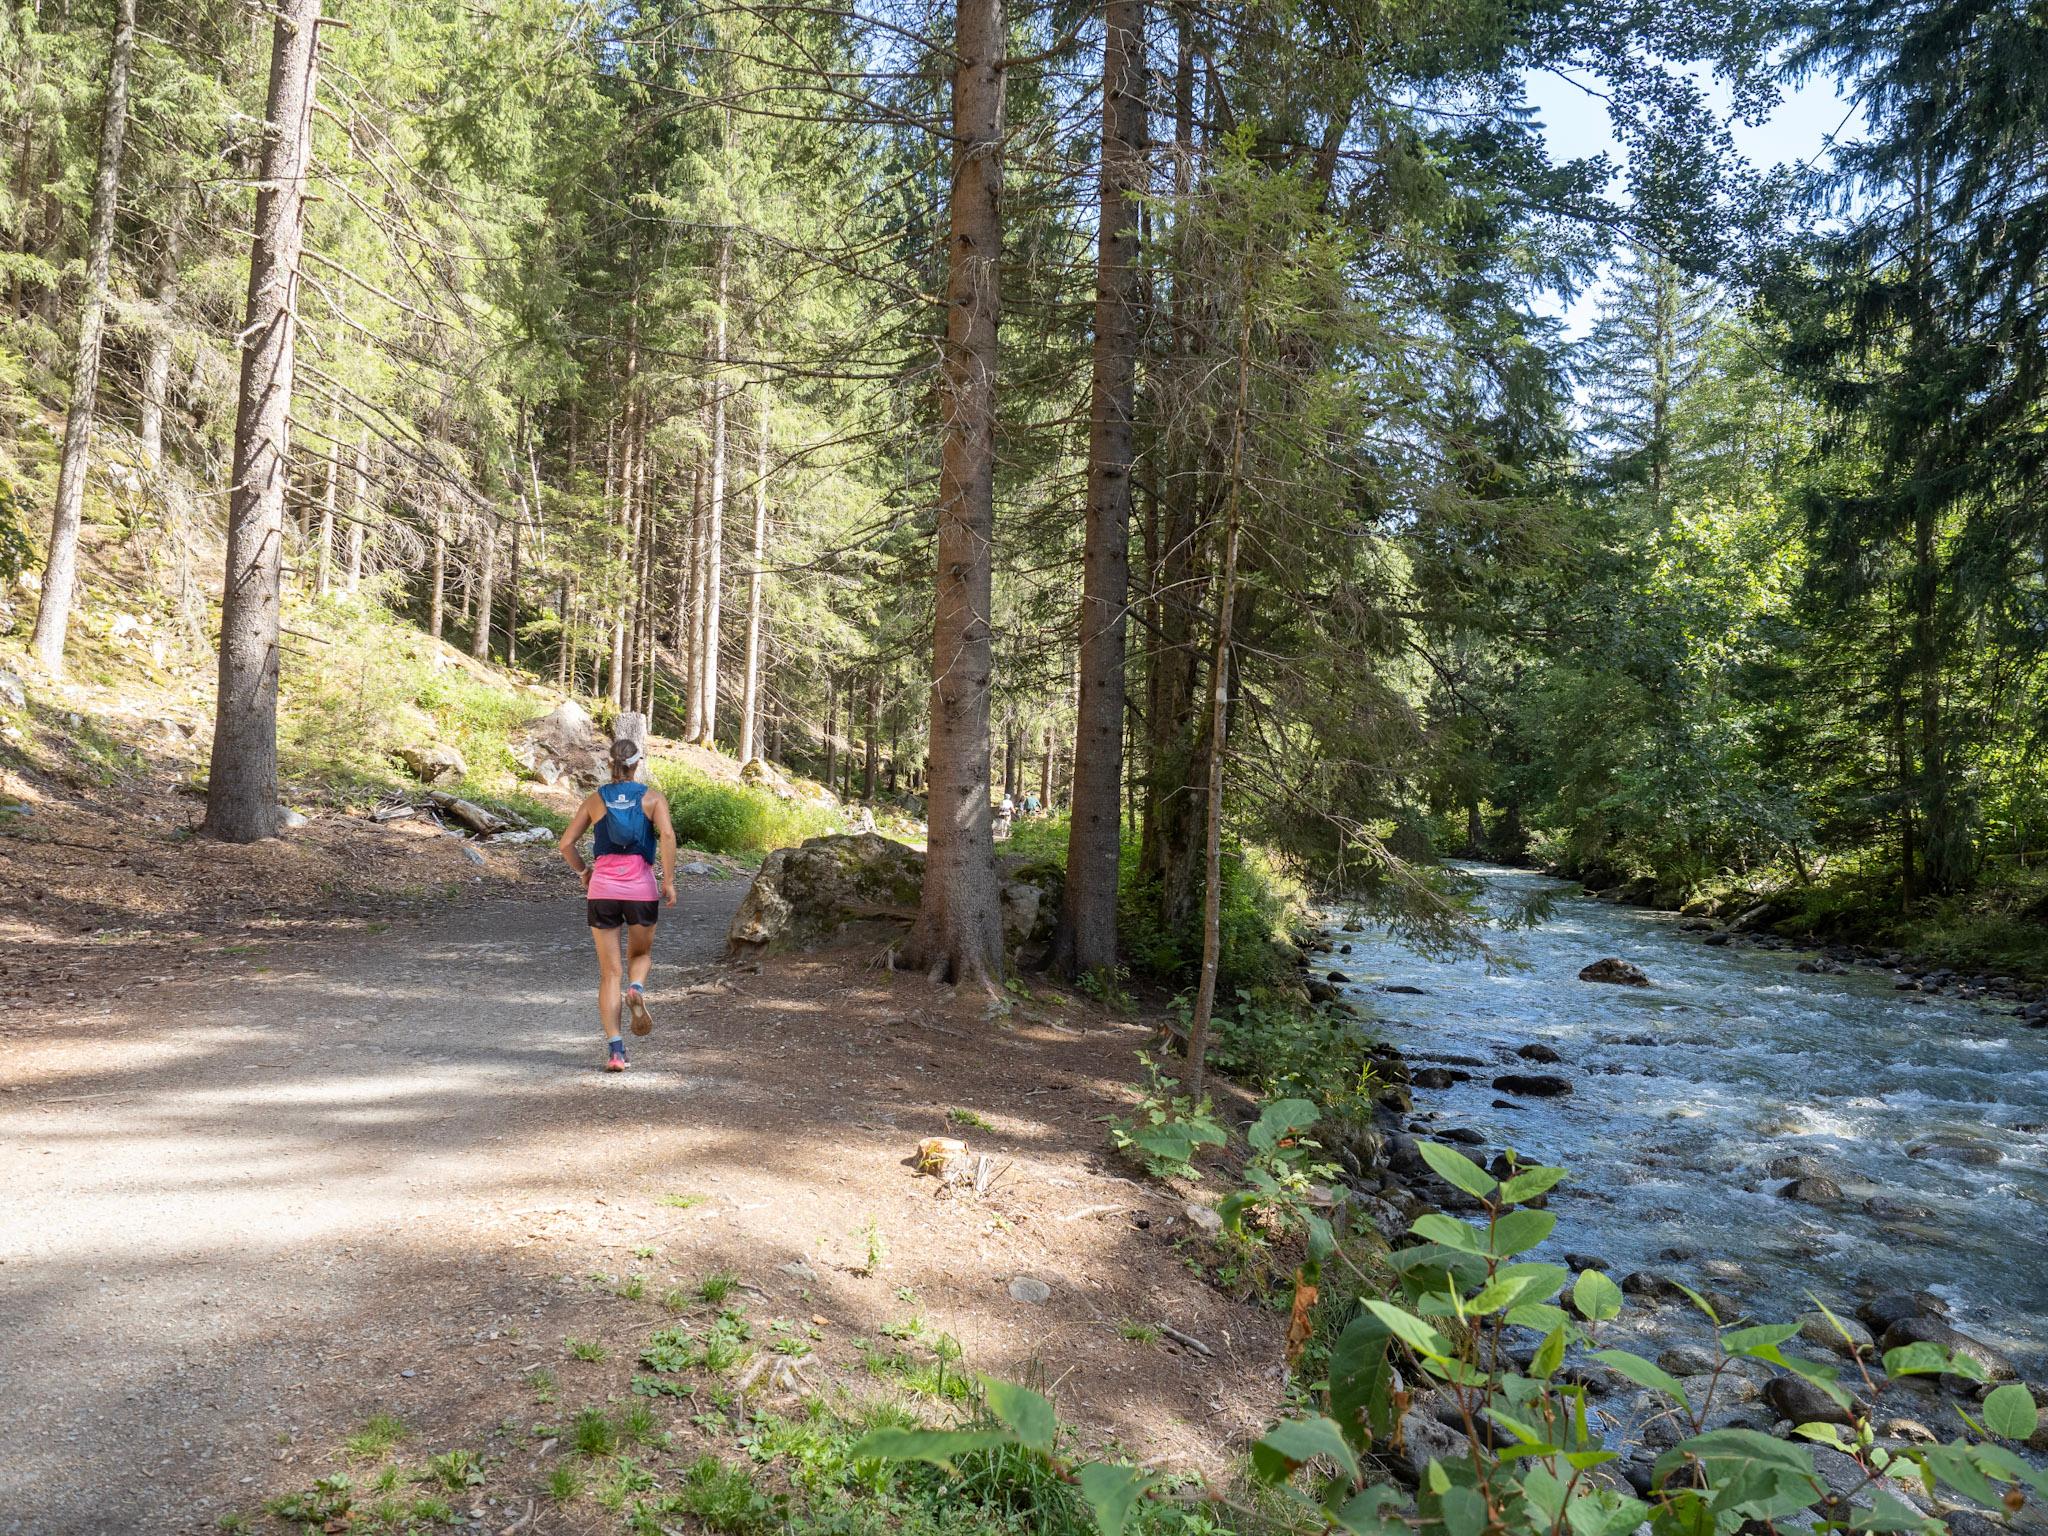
[639, 952]
[608, 982]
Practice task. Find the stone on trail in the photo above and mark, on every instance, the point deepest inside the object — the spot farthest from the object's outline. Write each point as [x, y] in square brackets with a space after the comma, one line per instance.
[1620, 973]
[289, 820]
[1203, 1218]
[1030, 1290]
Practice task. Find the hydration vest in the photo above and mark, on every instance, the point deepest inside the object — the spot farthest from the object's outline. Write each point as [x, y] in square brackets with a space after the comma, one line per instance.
[624, 827]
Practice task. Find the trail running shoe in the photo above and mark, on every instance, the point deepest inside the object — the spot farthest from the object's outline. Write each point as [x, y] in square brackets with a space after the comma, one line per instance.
[636, 1001]
[615, 1061]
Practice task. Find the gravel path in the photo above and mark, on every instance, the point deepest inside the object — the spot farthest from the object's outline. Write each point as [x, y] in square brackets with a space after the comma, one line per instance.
[231, 1202]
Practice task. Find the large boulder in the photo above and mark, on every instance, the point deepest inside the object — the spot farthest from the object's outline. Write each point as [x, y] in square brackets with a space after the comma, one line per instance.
[564, 746]
[805, 893]
[432, 762]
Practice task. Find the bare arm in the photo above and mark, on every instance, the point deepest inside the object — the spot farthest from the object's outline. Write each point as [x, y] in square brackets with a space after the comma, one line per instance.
[656, 806]
[586, 815]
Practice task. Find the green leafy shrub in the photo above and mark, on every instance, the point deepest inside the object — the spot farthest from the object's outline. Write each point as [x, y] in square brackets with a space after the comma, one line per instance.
[1532, 1460]
[720, 817]
[1168, 1128]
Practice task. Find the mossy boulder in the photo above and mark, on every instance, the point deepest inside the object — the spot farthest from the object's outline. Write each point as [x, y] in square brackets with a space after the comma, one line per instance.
[808, 893]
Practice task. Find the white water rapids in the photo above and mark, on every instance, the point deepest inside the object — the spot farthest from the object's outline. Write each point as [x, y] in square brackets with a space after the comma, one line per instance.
[1684, 1091]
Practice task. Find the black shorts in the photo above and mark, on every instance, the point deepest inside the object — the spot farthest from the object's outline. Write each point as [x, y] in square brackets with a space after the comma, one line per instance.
[634, 914]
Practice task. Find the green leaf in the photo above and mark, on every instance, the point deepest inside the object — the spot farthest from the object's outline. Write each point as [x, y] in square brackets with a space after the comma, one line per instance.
[1916, 1360]
[1953, 1465]
[1604, 1512]
[1749, 1474]
[1499, 1293]
[1643, 1373]
[1530, 1183]
[1538, 1315]
[1410, 1330]
[1597, 1297]
[1028, 1414]
[1747, 1341]
[1279, 1120]
[1112, 1493]
[1365, 1514]
[1887, 1513]
[1464, 1511]
[1456, 1168]
[1449, 1231]
[1519, 1231]
[1361, 1387]
[1549, 1354]
[1293, 1442]
[937, 1446]
[2010, 1411]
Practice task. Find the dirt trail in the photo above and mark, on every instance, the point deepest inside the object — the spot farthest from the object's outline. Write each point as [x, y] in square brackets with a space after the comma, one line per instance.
[244, 1211]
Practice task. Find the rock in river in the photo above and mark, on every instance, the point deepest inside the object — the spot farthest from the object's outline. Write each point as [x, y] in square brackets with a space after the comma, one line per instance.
[1797, 1399]
[1814, 1189]
[1533, 1085]
[1620, 972]
[1880, 1312]
[1438, 1077]
[1539, 1052]
[1817, 1329]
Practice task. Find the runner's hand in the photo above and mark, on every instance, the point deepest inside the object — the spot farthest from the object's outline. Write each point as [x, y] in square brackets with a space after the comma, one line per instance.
[668, 892]
[584, 875]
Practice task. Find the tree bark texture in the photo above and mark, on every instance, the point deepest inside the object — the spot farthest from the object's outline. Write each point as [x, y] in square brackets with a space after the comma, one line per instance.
[958, 932]
[241, 797]
[714, 519]
[60, 569]
[750, 690]
[1085, 939]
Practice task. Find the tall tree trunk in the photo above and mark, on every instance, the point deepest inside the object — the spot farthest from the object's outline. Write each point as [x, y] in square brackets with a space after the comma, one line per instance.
[693, 667]
[60, 569]
[437, 578]
[959, 929]
[1045, 773]
[1217, 716]
[750, 688]
[714, 519]
[358, 512]
[831, 726]
[330, 489]
[512, 593]
[486, 583]
[1085, 939]
[241, 794]
[873, 761]
[156, 354]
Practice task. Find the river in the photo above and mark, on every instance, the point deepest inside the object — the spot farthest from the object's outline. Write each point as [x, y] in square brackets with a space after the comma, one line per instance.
[1684, 1091]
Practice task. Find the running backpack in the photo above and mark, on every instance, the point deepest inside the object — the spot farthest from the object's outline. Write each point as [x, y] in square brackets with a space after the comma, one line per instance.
[624, 827]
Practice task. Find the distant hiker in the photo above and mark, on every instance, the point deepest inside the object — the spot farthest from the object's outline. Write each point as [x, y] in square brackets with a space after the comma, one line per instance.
[1031, 806]
[632, 823]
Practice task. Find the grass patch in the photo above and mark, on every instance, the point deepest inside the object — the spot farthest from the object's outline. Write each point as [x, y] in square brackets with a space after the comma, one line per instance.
[587, 1350]
[594, 1433]
[717, 1287]
[969, 1119]
[722, 817]
[682, 1202]
[380, 1432]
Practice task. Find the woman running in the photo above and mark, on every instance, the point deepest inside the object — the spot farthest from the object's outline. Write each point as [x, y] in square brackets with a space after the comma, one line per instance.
[632, 822]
